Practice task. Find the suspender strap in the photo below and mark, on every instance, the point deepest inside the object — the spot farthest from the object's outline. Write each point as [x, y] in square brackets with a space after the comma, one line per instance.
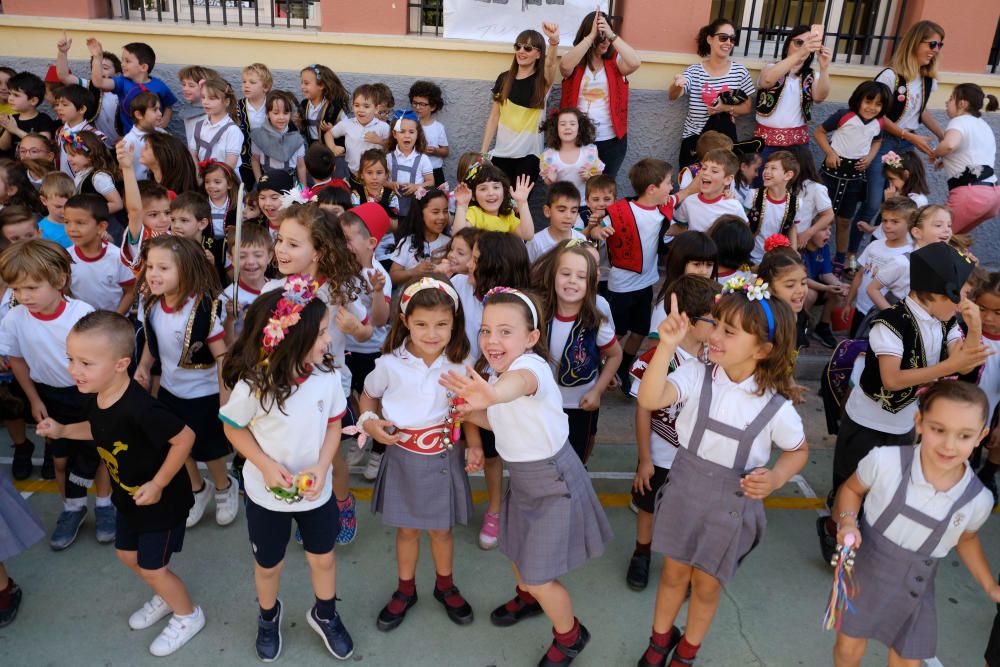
[204, 148]
[396, 169]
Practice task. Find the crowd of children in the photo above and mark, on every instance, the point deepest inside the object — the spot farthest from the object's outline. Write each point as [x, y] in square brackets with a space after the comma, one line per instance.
[154, 321]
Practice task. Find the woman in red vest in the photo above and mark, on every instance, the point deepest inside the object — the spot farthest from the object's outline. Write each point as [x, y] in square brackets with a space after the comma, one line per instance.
[594, 72]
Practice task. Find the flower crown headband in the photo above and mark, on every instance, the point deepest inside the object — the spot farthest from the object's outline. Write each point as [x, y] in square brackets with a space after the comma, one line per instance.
[422, 192]
[892, 159]
[755, 291]
[73, 140]
[299, 291]
[297, 195]
[427, 283]
[520, 295]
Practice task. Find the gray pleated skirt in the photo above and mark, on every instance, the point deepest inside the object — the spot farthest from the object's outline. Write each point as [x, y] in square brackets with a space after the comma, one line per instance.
[703, 519]
[895, 600]
[424, 491]
[19, 527]
[550, 518]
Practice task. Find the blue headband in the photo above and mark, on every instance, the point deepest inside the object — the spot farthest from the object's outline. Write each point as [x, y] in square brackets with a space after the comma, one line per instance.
[400, 115]
[755, 291]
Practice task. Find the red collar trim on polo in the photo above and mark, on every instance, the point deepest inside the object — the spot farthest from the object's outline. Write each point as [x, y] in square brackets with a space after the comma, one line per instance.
[48, 318]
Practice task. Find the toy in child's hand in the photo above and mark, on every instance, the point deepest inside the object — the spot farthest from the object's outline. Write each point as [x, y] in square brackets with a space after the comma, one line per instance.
[300, 483]
[844, 586]
[454, 433]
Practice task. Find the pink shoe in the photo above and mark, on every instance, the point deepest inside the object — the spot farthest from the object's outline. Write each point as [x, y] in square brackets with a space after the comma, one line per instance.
[488, 535]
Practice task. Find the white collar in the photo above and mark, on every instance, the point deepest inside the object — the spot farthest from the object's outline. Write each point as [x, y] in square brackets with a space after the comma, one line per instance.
[919, 311]
[917, 477]
[414, 361]
[720, 376]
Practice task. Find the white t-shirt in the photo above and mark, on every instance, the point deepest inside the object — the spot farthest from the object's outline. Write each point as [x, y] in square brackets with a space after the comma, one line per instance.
[41, 340]
[875, 255]
[895, 275]
[977, 147]
[881, 471]
[102, 181]
[699, 214]
[881, 341]
[403, 254]
[100, 280]
[245, 295]
[662, 451]
[595, 101]
[852, 135]
[542, 242]
[435, 135]
[530, 428]
[105, 121]
[409, 390]
[230, 141]
[293, 437]
[170, 327]
[788, 112]
[472, 308]
[366, 298]
[910, 119]
[649, 222]
[355, 143]
[559, 330]
[735, 404]
[256, 117]
[771, 219]
[814, 199]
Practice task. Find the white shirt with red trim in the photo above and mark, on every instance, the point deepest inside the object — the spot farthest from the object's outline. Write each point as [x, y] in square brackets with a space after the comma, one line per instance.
[100, 280]
[699, 214]
[373, 344]
[771, 218]
[41, 340]
[559, 330]
[293, 436]
[170, 327]
[409, 390]
[649, 222]
[662, 450]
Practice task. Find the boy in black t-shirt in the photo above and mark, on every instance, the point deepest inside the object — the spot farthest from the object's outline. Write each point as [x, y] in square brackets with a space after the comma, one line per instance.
[144, 447]
[27, 91]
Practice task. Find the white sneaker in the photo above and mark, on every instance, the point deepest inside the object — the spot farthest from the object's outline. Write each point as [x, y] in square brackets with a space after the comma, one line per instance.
[149, 614]
[354, 454]
[227, 503]
[200, 501]
[179, 631]
[374, 462]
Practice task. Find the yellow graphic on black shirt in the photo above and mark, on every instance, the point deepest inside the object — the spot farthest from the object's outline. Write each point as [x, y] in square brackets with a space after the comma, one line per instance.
[112, 462]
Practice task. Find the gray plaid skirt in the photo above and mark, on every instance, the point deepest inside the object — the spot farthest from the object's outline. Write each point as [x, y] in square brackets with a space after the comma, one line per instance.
[550, 518]
[19, 527]
[425, 491]
[703, 519]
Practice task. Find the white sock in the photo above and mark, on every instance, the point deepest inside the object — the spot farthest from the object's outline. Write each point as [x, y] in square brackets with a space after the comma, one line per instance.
[193, 615]
[74, 504]
[104, 501]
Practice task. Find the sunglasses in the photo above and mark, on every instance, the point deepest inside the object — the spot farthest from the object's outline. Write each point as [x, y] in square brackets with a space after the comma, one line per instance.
[706, 320]
[727, 37]
[527, 48]
[934, 44]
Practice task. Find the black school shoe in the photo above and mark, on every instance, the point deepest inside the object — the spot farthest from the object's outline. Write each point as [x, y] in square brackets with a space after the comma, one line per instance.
[569, 652]
[503, 617]
[827, 542]
[8, 613]
[20, 467]
[389, 621]
[675, 639]
[637, 577]
[459, 615]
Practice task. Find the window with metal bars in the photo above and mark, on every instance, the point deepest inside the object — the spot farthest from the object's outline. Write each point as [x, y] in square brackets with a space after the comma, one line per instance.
[859, 32]
[426, 17]
[292, 14]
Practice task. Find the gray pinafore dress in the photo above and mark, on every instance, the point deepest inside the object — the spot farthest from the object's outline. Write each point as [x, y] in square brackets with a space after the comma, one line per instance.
[409, 172]
[19, 527]
[205, 147]
[895, 600]
[702, 517]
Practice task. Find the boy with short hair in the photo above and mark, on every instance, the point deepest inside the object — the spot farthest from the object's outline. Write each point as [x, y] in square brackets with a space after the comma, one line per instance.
[561, 209]
[360, 130]
[251, 112]
[26, 92]
[656, 432]
[708, 141]
[17, 223]
[190, 216]
[600, 192]
[320, 165]
[190, 78]
[824, 286]
[914, 342]
[33, 337]
[56, 188]
[99, 277]
[148, 209]
[73, 104]
[145, 446]
[772, 209]
[144, 109]
[255, 253]
[718, 169]
[138, 60]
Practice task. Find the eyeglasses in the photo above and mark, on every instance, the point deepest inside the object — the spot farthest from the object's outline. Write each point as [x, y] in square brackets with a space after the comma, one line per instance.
[934, 44]
[419, 105]
[706, 320]
[31, 151]
[527, 48]
[727, 37]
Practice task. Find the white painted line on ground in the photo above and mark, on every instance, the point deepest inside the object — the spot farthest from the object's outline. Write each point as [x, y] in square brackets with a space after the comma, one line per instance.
[933, 662]
[26, 494]
[807, 491]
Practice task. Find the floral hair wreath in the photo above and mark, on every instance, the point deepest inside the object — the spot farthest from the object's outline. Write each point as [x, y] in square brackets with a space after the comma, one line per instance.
[519, 294]
[892, 159]
[427, 283]
[776, 241]
[73, 140]
[297, 195]
[300, 289]
[754, 291]
[422, 192]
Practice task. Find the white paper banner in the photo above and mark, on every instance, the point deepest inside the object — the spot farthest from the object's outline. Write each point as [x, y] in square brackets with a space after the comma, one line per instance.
[503, 20]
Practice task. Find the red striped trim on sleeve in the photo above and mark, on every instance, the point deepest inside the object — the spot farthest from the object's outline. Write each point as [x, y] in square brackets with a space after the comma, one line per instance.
[218, 336]
[607, 345]
[338, 417]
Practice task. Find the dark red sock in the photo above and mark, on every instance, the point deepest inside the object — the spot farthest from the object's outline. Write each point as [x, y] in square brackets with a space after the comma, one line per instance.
[406, 587]
[643, 549]
[563, 639]
[444, 582]
[685, 650]
[661, 639]
[523, 598]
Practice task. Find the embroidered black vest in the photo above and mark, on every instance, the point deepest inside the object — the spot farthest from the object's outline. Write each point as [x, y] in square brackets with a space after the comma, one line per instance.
[328, 112]
[217, 246]
[897, 107]
[767, 100]
[755, 215]
[580, 359]
[902, 323]
[243, 122]
[194, 350]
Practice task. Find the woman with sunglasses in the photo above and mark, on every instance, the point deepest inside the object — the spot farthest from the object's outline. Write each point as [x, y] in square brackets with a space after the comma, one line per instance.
[911, 78]
[594, 72]
[787, 90]
[519, 96]
[704, 82]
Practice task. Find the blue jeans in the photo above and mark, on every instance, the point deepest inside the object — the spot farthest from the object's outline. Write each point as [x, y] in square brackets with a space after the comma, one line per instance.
[612, 154]
[876, 179]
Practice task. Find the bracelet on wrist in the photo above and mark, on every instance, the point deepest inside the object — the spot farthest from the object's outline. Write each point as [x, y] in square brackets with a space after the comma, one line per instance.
[365, 417]
[847, 515]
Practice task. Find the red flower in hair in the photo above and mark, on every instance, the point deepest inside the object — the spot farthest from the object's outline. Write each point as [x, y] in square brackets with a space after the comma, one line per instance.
[776, 241]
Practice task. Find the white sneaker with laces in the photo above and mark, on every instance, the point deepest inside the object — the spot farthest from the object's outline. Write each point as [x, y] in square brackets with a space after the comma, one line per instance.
[179, 631]
[374, 462]
[149, 614]
[200, 502]
[227, 503]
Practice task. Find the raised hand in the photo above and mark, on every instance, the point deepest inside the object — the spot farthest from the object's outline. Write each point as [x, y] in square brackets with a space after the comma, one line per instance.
[551, 31]
[125, 154]
[675, 326]
[95, 47]
[463, 194]
[523, 188]
[65, 43]
[477, 392]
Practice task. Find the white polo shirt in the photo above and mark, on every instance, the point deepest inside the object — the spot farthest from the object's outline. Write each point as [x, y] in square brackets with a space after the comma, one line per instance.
[100, 280]
[530, 428]
[170, 327]
[699, 214]
[409, 390]
[41, 340]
